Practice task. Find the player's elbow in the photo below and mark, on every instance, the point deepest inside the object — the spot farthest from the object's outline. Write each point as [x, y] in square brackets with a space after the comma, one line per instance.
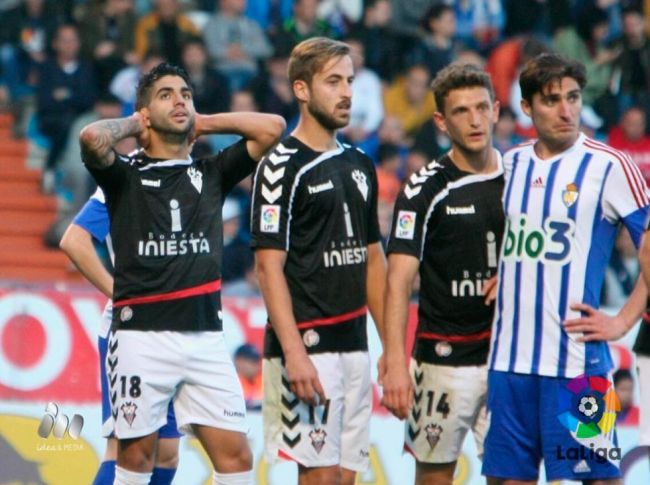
[644, 254]
[274, 128]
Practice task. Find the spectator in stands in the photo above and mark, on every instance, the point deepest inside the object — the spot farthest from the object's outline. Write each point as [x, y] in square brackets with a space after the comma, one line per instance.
[164, 30]
[410, 99]
[391, 131]
[633, 65]
[381, 45]
[436, 48]
[124, 83]
[624, 387]
[584, 43]
[367, 106]
[407, 15]
[341, 14]
[269, 14]
[505, 130]
[211, 88]
[241, 100]
[539, 17]
[303, 25]
[66, 88]
[108, 38]
[630, 137]
[390, 164]
[248, 363]
[236, 44]
[237, 254]
[272, 89]
[479, 23]
[25, 32]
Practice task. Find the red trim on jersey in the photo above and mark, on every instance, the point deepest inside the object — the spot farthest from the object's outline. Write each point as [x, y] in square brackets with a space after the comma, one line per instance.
[632, 173]
[646, 318]
[173, 295]
[320, 322]
[473, 337]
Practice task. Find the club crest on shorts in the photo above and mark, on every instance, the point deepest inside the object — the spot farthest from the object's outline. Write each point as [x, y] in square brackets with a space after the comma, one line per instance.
[126, 314]
[443, 349]
[433, 434]
[318, 436]
[570, 195]
[311, 338]
[128, 411]
[362, 183]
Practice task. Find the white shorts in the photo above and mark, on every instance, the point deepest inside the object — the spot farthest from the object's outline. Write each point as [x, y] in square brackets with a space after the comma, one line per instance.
[448, 401]
[334, 433]
[643, 369]
[146, 370]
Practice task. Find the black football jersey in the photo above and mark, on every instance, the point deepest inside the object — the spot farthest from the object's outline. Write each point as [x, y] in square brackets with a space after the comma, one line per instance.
[452, 221]
[321, 208]
[167, 233]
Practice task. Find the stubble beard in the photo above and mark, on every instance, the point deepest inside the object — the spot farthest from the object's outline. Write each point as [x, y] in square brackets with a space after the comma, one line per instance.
[325, 119]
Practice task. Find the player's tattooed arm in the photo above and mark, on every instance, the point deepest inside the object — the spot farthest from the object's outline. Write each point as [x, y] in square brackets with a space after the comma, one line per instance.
[98, 139]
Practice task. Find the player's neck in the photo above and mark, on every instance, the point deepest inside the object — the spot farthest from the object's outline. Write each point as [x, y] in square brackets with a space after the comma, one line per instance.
[314, 135]
[545, 149]
[168, 147]
[474, 162]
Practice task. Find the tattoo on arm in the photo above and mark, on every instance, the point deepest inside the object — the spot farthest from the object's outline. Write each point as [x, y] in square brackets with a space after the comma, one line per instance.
[98, 139]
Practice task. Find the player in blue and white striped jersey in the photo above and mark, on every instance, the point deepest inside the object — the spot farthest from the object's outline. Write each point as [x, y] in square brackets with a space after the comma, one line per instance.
[565, 197]
[92, 222]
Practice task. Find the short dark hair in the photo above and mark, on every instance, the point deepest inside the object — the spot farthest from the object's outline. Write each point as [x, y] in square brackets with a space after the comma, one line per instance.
[622, 375]
[311, 55]
[546, 69]
[436, 11]
[143, 94]
[457, 76]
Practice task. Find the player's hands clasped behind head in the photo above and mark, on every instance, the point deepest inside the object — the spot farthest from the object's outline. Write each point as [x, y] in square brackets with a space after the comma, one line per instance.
[304, 381]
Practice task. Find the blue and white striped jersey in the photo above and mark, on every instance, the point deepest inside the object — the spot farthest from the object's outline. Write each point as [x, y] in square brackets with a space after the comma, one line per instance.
[562, 217]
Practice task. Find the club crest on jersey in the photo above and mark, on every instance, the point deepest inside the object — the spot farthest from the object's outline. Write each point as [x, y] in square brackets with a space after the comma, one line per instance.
[128, 411]
[196, 177]
[126, 314]
[362, 183]
[433, 434]
[311, 338]
[270, 220]
[570, 195]
[317, 437]
[405, 227]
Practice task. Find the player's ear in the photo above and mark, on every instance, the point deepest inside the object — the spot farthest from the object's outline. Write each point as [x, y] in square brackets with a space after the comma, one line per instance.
[439, 120]
[145, 115]
[301, 90]
[526, 108]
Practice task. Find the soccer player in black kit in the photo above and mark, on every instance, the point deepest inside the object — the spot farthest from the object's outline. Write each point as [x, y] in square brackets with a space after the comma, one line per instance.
[448, 224]
[320, 264]
[166, 338]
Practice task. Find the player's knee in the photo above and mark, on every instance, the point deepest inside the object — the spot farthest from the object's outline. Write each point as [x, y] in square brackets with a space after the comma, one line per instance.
[167, 455]
[135, 456]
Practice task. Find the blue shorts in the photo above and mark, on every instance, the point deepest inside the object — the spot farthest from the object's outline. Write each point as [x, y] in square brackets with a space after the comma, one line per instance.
[531, 417]
[169, 430]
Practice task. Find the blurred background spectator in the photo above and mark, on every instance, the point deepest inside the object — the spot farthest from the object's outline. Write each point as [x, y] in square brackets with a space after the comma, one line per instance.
[66, 88]
[248, 364]
[624, 388]
[236, 44]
